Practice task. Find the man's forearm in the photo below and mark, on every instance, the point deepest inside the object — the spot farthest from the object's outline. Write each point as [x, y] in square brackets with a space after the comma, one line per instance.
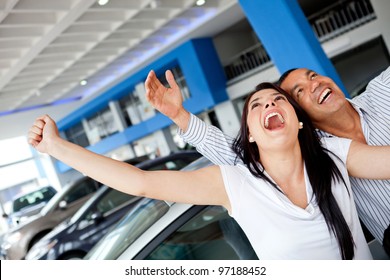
[210, 141]
[182, 120]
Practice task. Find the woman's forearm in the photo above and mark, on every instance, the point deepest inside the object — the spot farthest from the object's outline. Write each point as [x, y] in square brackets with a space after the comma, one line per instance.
[110, 172]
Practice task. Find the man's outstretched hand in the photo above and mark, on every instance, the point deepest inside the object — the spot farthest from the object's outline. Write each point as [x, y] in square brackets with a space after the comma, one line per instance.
[168, 101]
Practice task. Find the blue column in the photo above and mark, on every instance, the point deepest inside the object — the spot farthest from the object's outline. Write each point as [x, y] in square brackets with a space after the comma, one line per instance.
[287, 36]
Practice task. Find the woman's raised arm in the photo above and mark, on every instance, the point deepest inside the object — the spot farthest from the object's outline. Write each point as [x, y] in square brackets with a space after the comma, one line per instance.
[204, 186]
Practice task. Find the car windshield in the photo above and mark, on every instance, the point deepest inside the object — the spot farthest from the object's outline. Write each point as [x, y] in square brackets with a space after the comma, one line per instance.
[33, 198]
[128, 229]
[86, 205]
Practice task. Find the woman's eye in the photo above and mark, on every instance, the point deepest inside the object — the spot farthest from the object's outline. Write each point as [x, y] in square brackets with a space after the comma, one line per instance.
[313, 76]
[280, 97]
[254, 105]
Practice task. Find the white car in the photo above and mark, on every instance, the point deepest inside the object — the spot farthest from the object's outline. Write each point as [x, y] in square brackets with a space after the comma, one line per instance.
[161, 230]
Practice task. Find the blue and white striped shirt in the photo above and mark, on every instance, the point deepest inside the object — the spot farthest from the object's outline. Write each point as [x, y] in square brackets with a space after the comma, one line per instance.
[372, 197]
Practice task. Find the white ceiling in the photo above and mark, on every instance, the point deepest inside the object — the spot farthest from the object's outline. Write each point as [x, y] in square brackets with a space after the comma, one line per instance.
[47, 47]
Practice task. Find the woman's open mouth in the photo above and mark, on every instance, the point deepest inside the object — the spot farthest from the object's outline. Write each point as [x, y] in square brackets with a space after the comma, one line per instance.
[273, 121]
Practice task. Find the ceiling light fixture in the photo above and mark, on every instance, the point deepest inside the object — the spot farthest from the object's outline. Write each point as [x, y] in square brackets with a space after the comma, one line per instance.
[83, 82]
[103, 2]
[200, 2]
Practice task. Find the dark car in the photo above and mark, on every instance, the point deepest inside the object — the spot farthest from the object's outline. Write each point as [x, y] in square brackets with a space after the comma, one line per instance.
[29, 204]
[160, 230]
[74, 238]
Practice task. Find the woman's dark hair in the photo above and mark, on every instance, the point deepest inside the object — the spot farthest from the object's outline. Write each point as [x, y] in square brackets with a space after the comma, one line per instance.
[321, 169]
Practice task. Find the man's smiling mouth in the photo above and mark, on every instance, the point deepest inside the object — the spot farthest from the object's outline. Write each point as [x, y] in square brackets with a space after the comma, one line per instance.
[324, 95]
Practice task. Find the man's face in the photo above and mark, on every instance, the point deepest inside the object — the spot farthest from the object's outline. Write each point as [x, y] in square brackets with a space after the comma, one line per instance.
[318, 95]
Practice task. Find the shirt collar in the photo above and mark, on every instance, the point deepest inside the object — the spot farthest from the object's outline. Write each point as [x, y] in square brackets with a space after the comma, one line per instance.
[361, 111]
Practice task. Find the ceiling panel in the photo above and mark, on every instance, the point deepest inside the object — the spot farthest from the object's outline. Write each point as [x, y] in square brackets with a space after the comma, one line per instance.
[47, 47]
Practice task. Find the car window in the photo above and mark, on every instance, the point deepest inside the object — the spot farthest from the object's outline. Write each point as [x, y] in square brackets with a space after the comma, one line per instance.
[210, 235]
[33, 198]
[112, 200]
[84, 188]
[128, 229]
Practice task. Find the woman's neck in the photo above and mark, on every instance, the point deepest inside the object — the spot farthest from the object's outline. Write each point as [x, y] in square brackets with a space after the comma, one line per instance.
[286, 168]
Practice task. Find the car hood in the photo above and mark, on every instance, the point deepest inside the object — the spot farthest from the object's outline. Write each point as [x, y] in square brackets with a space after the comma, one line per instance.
[28, 221]
[28, 211]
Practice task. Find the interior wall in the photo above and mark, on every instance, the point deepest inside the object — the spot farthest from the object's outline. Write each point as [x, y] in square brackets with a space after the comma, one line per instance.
[362, 63]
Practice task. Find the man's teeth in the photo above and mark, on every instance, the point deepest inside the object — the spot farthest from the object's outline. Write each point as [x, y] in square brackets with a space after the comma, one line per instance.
[266, 124]
[324, 95]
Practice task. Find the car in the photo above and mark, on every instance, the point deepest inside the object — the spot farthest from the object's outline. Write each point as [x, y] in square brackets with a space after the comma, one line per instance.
[29, 204]
[73, 239]
[161, 230]
[18, 240]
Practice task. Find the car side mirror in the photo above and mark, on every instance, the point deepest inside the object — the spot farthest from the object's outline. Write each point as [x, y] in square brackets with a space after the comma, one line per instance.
[63, 205]
[97, 217]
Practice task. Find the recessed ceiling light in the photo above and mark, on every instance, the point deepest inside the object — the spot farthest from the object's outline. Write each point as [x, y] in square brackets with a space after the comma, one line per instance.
[83, 82]
[200, 2]
[103, 2]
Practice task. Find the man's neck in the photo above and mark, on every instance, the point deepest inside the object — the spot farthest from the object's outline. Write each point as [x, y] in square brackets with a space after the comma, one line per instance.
[345, 123]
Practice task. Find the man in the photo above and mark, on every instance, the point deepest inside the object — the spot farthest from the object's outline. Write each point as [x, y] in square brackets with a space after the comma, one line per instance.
[366, 118]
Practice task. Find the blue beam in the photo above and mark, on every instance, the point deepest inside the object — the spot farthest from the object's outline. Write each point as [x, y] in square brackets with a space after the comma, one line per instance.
[287, 36]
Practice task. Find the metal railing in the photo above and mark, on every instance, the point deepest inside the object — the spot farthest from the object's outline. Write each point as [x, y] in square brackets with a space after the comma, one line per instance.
[247, 60]
[327, 24]
[340, 18]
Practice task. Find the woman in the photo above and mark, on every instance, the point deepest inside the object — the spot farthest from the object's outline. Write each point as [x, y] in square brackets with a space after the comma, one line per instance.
[283, 215]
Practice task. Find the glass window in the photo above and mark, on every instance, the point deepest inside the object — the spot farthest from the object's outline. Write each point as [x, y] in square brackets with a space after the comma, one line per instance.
[33, 198]
[210, 235]
[76, 134]
[180, 80]
[112, 200]
[102, 124]
[128, 229]
[83, 188]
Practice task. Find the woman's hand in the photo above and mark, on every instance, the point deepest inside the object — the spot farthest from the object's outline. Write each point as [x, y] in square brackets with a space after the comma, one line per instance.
[42, 133]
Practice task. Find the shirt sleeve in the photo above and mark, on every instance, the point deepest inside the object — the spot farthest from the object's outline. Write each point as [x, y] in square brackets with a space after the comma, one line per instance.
[210, 141]
[338, 146]
[233, 180]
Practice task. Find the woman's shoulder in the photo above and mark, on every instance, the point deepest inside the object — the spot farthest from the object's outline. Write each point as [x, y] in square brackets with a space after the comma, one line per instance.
[337, 145]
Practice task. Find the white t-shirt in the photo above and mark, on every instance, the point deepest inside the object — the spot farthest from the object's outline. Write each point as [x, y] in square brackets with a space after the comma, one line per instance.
[278, 229]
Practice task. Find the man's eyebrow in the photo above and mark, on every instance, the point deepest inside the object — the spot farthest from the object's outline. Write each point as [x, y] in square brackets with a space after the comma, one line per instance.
[307, 74]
